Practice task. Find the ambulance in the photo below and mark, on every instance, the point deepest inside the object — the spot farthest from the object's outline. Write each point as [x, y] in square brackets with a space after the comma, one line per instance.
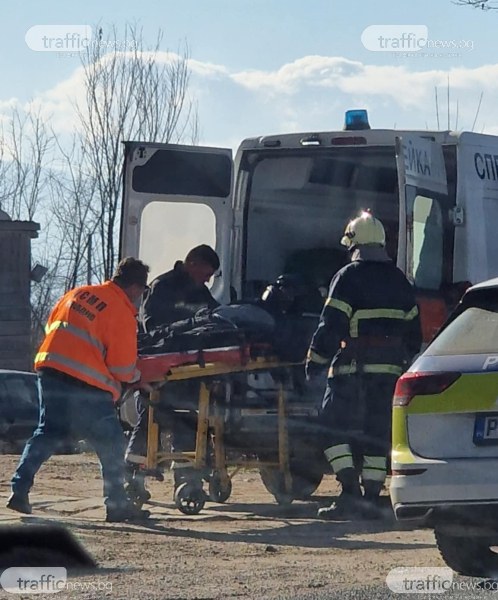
[282, 205]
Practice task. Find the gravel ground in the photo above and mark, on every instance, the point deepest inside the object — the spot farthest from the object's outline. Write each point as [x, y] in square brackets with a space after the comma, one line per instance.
[249, 547]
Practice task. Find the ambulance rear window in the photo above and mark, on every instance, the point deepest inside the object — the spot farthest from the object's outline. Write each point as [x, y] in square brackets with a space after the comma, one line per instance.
[184, 173]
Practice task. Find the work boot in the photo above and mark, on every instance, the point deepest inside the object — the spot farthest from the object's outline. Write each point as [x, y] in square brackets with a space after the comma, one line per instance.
[119, 513]
[348, 505]
[371, 504]
[19, 503]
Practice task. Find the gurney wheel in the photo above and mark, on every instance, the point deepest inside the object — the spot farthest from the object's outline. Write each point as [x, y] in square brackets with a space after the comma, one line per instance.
[219, 490]
[189, 500]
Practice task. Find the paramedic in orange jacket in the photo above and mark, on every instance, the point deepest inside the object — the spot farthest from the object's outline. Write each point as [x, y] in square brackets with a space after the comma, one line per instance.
[89, 350]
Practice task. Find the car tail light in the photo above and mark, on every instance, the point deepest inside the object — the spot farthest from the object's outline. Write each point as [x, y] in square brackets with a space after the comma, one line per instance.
[410, 385]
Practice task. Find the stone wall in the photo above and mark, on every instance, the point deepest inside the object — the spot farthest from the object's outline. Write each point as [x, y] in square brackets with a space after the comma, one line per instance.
[15, 309]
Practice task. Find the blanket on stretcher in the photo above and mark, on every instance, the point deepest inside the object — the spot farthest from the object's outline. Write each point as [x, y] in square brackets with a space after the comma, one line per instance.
[239, 325]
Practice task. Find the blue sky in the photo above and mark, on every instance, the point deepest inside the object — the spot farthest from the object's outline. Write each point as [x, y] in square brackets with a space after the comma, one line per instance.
[267, 66]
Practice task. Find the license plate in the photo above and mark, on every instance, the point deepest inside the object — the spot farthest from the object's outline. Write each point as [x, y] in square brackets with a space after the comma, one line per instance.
[486, 429]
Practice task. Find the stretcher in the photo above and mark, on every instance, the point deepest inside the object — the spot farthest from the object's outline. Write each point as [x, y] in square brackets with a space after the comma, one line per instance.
[211, 368]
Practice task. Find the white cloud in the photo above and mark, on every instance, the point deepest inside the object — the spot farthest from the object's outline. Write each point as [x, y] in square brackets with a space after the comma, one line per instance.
[309, 94]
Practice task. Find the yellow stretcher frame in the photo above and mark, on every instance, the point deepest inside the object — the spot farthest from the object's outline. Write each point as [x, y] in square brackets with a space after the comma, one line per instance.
[207, 420]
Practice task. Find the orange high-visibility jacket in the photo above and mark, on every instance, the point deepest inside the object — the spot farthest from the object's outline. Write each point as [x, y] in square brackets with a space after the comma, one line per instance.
[91, 334]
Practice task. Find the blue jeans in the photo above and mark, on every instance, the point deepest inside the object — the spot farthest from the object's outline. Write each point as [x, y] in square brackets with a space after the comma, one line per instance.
[69, 409]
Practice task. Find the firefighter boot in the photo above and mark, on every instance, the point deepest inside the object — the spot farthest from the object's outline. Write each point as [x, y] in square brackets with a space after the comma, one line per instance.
[347, 506]
[371, 506]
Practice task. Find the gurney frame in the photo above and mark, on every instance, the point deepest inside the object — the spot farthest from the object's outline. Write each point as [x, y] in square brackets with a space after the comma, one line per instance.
[210, 420]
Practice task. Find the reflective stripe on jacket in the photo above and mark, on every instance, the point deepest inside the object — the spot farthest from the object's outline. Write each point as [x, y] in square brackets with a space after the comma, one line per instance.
[91, 335]
[370, 321]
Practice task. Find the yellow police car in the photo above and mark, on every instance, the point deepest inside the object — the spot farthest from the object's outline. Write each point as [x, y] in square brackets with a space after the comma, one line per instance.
[445, 436]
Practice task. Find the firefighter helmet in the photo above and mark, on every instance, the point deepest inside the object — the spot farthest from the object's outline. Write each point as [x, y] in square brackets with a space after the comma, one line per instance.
[365, 229]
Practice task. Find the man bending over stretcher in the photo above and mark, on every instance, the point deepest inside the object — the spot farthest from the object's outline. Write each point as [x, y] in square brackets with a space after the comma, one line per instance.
[174, 296]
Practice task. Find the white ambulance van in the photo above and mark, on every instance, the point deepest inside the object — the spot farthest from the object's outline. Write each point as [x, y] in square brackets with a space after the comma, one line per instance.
[282, 205]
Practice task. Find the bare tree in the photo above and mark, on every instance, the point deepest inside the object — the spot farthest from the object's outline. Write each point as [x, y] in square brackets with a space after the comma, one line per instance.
[74, 220]
[131, 92]
[482, 4]
[26, 155]
[74, 189]
[25, 148]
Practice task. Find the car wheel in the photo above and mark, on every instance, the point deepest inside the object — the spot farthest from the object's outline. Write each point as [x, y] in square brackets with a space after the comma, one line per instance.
[470, 556]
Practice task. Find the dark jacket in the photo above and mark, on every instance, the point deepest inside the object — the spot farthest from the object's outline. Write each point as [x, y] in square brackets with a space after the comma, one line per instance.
[370, 321]
[173, 296]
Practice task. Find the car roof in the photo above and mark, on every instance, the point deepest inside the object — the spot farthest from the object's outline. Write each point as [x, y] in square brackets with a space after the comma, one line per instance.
[490, 283]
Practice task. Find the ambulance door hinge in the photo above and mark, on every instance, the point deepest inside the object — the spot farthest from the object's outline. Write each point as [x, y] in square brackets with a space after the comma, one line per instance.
[457, 216]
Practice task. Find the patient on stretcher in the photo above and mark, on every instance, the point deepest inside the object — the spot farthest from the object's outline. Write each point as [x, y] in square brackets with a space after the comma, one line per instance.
[278, 320]
[280, 324]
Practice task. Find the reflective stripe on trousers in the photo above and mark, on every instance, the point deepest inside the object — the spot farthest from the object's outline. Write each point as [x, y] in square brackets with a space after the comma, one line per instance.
[340, 457]
[374, 468]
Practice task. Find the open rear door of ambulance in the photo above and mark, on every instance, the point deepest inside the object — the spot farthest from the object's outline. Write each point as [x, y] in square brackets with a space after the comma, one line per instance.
[426, 229]
[174, 198]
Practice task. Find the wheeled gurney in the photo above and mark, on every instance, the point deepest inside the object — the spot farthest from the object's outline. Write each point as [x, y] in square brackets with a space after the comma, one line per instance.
[218, 369]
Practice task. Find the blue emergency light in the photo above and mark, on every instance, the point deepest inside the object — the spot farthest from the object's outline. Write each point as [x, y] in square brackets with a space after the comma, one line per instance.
[355, 120]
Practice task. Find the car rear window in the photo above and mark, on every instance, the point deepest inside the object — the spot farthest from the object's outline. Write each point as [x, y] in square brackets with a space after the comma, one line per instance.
[475, 331]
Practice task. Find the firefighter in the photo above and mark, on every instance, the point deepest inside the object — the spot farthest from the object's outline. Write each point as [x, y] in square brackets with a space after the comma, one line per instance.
[89, 349]
[368, 333]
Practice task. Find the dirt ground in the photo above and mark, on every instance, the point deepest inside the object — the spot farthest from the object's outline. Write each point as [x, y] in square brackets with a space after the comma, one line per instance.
[249, 547]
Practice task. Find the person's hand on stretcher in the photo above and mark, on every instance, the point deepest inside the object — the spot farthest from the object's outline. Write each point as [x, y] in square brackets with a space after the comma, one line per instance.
[143, 386]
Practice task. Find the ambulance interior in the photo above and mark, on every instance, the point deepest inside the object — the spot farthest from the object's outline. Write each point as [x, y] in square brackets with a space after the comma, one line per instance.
[293, 205]
[299, 203]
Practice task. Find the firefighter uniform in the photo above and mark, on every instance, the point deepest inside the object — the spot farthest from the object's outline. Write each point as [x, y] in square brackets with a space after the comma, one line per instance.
[368, 333]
